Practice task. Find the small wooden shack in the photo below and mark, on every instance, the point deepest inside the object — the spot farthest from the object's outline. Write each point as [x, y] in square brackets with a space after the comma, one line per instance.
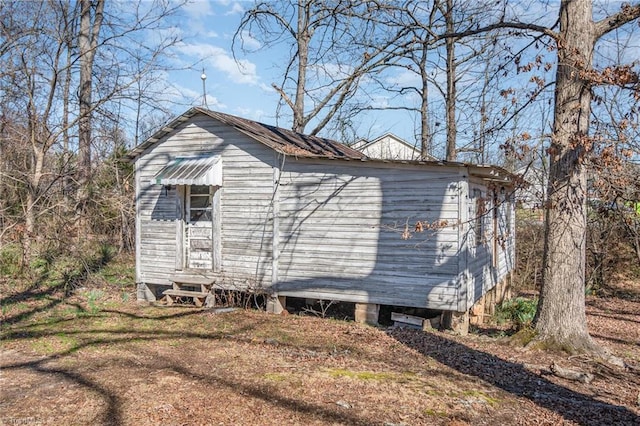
[229, 203]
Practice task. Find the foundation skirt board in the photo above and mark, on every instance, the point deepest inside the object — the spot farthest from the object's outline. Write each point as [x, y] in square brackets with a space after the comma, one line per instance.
[404, 320]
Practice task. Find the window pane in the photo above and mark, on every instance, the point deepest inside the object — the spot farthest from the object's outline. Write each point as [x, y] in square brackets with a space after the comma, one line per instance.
[200, 216]
[200, 201]
[200, 189]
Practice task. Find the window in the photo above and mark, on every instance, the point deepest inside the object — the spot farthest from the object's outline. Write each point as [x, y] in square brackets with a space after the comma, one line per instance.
[479, 216]
[200, 203]
[507, 213]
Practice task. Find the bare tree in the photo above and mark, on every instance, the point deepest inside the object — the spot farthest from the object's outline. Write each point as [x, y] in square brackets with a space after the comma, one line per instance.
[561, 315]
[91, 15]
[561, 318]
[337, 42]
[431, 54]
[451, 82]
[42, 65]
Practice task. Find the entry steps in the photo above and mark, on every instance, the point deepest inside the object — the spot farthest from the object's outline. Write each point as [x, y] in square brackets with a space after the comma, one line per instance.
[196, 287]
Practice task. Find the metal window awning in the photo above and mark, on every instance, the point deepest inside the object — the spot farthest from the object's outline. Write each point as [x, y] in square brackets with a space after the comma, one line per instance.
[200, 170]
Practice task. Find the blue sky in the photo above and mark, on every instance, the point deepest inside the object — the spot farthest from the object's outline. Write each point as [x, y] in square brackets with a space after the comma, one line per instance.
[242, 86]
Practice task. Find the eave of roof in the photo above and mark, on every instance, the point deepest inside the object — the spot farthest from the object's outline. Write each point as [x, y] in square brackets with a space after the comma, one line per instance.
[284, 141]
[290, 143]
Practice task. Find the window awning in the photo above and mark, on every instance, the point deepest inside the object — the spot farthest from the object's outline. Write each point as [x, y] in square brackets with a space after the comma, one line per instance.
[200, 170]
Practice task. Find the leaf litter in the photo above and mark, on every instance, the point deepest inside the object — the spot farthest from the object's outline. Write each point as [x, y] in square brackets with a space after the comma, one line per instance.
[131, 364]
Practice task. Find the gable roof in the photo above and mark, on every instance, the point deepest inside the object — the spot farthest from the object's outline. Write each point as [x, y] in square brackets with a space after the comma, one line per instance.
[298, 145]
[363, 145]
[281, 140]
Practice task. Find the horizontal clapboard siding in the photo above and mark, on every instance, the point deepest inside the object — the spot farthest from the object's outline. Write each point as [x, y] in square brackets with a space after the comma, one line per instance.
[245, 204]
[484, 270]
[339, 225]
[341, 229]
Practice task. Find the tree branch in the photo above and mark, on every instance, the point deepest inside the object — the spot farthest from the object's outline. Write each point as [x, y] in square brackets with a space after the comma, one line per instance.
[283, 95]
[503, 25]
[610, 23]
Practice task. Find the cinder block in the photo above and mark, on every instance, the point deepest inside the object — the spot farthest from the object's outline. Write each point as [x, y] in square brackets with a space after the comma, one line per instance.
[276, 304]
[367, 313]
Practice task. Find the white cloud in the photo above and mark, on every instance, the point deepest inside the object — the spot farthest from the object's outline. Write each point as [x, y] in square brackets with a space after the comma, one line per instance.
[182, 94]
[266, 88]
[249, 41]
[404, 78]
[236, 9]
[185, 92]
[252, 114]
[214, 103]
[380, 102]
[242, 71]
[198, 8]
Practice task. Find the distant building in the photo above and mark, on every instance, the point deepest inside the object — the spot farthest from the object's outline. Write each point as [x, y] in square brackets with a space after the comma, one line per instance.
[390, 147]
[533, 194]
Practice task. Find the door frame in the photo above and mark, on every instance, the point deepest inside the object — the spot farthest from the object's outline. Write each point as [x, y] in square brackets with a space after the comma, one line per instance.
[182, 212]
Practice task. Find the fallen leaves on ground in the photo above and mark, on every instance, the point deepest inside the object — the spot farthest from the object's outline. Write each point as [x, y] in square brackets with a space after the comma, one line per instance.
[118, 363]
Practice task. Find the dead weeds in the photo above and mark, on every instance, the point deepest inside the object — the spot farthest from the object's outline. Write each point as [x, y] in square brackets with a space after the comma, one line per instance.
[94, 358]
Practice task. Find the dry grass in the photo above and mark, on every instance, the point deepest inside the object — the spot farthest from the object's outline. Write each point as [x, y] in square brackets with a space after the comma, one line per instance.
[94, 358]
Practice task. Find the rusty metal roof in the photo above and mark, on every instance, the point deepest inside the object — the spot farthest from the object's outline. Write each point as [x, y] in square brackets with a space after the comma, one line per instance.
[298, 145]
[281, 140]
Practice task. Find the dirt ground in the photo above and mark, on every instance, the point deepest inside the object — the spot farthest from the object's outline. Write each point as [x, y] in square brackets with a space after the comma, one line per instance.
[96, 358]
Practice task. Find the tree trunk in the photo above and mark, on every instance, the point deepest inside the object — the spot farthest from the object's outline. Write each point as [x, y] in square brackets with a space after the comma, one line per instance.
[561, 319]
[451, 86]
[87, 45]
[67, 180]
[304, 37]
[33, 194]
[425, 136]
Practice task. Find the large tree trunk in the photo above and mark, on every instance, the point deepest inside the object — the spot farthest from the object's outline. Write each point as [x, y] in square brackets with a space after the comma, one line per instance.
[87, 45]
[450, 42]
[561, 319]
[304, 38]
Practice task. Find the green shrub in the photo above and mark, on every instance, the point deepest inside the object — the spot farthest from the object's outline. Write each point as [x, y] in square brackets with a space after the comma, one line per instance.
[519, 312]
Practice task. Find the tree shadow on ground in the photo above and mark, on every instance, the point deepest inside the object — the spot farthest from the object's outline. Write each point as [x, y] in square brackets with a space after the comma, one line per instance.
[113, 413]
[616, 316]
[517, 380]
[628, 293]
[34, 292]
[614, 339]
[55, 291]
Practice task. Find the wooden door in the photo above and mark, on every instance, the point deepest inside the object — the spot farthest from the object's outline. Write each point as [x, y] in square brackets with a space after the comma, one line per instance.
[199, 227]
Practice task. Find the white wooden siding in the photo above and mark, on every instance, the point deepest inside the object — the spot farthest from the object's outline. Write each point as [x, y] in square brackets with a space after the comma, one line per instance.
[485, 271]
[244, 204]
[341, 227]
[338, 225]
